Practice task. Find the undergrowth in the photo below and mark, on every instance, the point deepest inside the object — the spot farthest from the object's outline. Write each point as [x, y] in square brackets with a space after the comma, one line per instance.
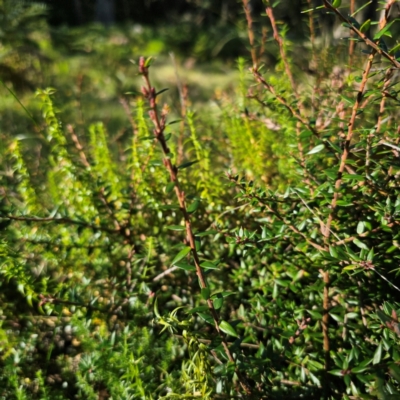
[249, 250]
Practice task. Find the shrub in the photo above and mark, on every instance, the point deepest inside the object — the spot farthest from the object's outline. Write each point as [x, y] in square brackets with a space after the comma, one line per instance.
[148, 275]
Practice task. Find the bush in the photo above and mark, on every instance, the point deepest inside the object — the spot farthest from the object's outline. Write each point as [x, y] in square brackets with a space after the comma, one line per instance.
[148, 274]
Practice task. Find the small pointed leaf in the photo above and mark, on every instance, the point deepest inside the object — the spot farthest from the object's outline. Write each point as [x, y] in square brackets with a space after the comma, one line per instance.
[183, 253]
[316, 149]
[162, 91]
[186, 266]
[227, 328]
[176, 227]
[378, 354]
[194, 206]
[187, 164]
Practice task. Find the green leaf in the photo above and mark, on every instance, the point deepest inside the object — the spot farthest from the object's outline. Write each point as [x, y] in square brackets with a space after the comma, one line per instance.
[383, 31]
[394, 370]
[363, 366]
[205, 293]
[197, 243]
[336, 372]
[354, 22]
[335, 147]
[315, 314]
[207, 317]
[344, 203]
[174, 121]
[155, 163]
[351, 267]
[148, 62]
[208, 265]
[187, 164]
[156, 312]
[348, 177]
[378, 354]
[227, 328]
[183, 253]
[194, 206]
[282, 282]
[360, 244]
[186, 266]
[370, 256]
[222, 294]
[275, 291]
[162, 91]
[176, 227]
[316, 149]
[170, 187]
[198, 309]
[365, 26]
[210, 232]
[395, 49]
[218, 303]
[333, 252]
[383, 317]
[360, 227]
[337, 318]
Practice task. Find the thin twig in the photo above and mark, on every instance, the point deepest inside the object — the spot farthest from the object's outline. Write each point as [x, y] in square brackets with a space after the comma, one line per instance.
[295, 113]
[250, 32]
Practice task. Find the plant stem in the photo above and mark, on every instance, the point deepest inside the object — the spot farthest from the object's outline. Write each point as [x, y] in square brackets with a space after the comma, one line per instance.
[159, 122]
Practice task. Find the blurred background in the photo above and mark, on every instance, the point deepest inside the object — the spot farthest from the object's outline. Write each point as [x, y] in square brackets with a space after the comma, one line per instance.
[85, 49]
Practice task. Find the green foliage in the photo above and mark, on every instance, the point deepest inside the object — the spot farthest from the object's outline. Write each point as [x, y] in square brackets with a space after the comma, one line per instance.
[136, 266]
[20, 53]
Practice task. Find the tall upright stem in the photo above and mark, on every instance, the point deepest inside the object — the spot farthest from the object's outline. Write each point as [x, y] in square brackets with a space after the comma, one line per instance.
[159, 122]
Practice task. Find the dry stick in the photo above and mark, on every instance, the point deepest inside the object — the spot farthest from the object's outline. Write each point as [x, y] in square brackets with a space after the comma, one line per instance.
[282, 51]
[264, 32]
[288, 71]
[159, 122]
[346, 149]
[78, 146]
[326, 229]
[352, 42]
[356, 107]
[388, 76]
[250, 32]
[311, 27]
[314, 64]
